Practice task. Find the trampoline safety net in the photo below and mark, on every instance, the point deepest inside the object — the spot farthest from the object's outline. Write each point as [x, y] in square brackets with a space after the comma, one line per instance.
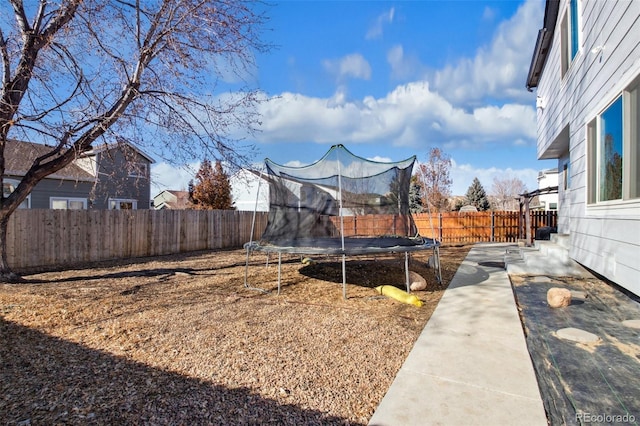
[341, 195]
[340, 205]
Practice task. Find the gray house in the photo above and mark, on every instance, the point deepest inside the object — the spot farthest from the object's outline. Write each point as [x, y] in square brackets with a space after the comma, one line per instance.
[108, 177]
[586, 68]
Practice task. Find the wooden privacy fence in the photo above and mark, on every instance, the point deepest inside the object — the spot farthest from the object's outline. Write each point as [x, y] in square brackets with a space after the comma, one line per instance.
[471, 227]
[48, 238]
[45, 238]
[450, 227]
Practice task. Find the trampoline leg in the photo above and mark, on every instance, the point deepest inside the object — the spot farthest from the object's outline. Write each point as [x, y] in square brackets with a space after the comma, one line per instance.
[246, 270]
[344, 278]
[246, 275]
[436, 259]
[406, 270]
[279, 270]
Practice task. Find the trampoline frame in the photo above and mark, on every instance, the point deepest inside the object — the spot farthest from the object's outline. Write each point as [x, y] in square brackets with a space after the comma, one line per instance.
[349, 250]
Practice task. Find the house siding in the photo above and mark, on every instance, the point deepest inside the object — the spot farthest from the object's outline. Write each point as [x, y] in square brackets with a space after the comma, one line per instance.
[45, 189]
[604, 239]
[114, 180]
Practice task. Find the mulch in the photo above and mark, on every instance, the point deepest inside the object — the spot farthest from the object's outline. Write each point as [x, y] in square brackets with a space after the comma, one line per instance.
[180, 340]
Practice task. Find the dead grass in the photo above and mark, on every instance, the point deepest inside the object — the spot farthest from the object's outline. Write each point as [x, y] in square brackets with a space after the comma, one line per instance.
[179, 339]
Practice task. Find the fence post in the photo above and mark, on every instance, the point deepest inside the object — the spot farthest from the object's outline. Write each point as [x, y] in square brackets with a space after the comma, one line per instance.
[493, 227]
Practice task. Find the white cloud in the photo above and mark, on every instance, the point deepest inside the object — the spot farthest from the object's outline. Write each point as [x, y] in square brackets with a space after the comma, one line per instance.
[402, 66]
[354, 66]
[377, 27]
[497, 70]
[488, 14]
[295, 163]
[463, 174]
[409, 115]
[168, 176]
[380, 159]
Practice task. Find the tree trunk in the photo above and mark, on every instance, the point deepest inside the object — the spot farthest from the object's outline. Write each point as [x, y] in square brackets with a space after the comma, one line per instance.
[6, 274]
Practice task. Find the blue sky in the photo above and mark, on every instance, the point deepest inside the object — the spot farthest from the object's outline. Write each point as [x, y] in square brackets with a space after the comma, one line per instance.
[393, 79]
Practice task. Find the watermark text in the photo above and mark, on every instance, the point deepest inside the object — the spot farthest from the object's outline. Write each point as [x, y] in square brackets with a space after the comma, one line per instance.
[604, 418]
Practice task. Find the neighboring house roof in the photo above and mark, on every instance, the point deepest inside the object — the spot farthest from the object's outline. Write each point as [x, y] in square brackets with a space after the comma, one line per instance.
[19, 157]
[109, 146]
[170, 199]
[543, 43]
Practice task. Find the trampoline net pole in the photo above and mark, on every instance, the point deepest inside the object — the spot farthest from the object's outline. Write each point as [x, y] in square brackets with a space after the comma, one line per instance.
[253, 227]
[255, 207]
[340, 212]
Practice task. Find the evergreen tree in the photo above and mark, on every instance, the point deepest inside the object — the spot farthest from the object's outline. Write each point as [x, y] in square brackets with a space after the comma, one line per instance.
[212, 188]
[477, 196]
[415, 196]
[192, 201]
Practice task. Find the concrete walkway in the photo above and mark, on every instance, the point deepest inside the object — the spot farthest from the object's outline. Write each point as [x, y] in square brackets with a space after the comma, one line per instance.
[470, 365]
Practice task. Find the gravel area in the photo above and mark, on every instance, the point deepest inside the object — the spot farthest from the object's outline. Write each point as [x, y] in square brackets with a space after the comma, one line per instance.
[180, 340]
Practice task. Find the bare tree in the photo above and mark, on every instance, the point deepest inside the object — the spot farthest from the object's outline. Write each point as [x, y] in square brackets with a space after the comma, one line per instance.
[435, 179]
[506, 191]
[75, 72]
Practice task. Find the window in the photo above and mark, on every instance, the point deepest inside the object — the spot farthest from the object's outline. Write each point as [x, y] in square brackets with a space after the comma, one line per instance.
[613, 149]
[62, 203]
[9, 185]
[569, 36]
[120, 204]
[138, 170]
[610, 151]
[573, 11]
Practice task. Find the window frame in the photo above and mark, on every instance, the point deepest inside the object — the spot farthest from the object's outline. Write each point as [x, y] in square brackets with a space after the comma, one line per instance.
[118, 201]
[569, 36]
[12, 184]
[574, 8]
[630, 116]
[137, 170]
[68, 200]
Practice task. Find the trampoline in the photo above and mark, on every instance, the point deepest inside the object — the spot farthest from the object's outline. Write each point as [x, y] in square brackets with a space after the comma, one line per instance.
[342, 205]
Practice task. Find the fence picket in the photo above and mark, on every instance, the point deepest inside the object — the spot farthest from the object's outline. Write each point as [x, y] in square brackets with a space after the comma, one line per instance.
[56, 238]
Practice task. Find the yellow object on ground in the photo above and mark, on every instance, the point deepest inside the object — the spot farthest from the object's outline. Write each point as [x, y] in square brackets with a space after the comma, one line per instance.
[400, 295]
[308, 261]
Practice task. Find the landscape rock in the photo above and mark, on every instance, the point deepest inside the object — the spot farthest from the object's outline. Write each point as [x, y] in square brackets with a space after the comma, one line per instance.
[418, 283]
[633, 323]
[558, 297]
[577, 335]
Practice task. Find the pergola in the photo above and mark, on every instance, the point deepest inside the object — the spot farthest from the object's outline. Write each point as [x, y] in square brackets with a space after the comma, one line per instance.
[525, 201]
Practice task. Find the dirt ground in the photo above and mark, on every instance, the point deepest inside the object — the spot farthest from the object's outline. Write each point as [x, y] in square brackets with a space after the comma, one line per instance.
[180, 340]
